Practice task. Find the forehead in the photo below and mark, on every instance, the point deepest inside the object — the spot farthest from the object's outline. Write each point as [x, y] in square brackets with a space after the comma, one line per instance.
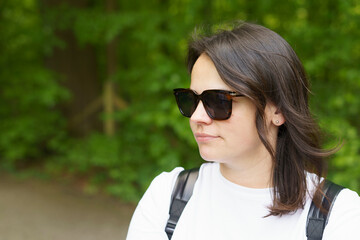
[205, 76]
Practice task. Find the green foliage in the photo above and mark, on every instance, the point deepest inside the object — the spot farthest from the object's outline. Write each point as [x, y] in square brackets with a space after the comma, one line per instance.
[152, 38]
[29, 91]
[125, 164]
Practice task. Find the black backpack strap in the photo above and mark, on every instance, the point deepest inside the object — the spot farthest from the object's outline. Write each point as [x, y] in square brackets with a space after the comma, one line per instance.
[317, 220]
[182, 192]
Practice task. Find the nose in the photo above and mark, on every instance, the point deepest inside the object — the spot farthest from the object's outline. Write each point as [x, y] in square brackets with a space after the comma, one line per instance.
[200, 115]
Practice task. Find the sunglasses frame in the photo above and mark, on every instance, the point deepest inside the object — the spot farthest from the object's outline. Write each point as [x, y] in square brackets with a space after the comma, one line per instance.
[228, 94]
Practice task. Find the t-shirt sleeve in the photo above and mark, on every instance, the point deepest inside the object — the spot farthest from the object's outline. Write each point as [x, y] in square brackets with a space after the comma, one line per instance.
[152, 212]
[344, 221]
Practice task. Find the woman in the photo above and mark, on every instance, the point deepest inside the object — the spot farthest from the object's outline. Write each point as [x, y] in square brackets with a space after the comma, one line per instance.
[248, 110]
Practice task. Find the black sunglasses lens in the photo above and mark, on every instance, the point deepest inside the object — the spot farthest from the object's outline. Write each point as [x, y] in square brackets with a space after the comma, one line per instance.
[186, 101]
[217, 104]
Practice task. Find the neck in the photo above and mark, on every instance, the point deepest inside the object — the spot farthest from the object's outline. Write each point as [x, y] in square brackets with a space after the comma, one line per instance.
[251, 173]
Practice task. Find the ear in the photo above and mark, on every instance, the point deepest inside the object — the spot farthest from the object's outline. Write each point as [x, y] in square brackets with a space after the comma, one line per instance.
[274, 115]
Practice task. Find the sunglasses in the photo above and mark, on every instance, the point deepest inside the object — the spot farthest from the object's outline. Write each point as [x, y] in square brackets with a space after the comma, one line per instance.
[217, 103]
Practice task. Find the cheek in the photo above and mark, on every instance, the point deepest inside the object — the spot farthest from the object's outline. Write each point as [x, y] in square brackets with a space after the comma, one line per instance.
[192, 126]
[241, 133]
[242, 127]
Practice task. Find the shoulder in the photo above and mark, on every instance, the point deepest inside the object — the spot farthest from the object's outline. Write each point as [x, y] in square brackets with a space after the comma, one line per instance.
[151, 213]
[344, 220]
[161, 186]
[158, 195]
[164, 183]
[347, 202]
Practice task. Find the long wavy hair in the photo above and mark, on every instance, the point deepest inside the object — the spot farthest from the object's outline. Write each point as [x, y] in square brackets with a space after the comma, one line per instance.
[261, 65]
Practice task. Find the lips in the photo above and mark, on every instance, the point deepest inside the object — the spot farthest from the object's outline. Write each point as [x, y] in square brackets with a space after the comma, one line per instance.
[203, 137]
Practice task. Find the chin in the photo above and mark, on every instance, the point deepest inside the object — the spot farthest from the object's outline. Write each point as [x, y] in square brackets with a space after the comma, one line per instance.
[210, 157]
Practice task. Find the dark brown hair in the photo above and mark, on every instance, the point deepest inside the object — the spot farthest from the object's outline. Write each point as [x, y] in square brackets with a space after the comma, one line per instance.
[261, 65]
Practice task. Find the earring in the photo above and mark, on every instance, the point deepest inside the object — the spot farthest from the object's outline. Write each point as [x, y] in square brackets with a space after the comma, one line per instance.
[277, 121]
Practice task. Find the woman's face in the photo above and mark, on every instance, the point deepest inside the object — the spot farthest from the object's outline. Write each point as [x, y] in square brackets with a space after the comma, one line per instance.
[230, 141]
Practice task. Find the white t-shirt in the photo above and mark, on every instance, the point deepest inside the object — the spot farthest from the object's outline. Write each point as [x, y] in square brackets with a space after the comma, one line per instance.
[220, 209]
